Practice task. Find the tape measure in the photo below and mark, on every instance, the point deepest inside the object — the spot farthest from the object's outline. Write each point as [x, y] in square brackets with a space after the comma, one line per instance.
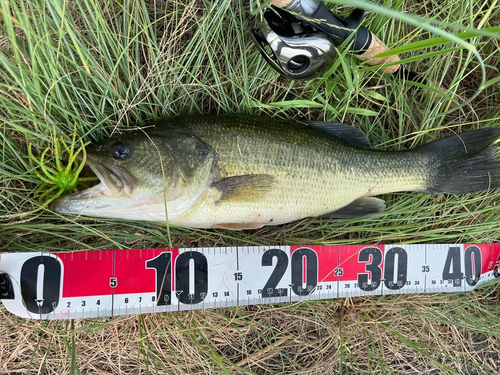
[97, 283]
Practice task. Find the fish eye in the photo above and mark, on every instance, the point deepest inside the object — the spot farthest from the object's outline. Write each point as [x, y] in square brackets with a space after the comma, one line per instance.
[121, 151]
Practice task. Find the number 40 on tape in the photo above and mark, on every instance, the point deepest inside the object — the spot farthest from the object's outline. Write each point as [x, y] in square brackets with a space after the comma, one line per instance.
[90, 284]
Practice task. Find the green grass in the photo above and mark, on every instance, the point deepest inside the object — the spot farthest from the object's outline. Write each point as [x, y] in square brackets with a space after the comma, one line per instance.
[104, 67]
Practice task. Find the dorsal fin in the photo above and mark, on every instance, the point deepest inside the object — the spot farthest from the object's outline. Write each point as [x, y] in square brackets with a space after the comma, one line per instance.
[346, 133]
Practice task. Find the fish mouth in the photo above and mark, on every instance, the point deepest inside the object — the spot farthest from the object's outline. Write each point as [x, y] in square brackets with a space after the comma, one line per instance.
[114, 184]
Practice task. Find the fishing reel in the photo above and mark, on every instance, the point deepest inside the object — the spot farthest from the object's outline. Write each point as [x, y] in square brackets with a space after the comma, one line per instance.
[292, 46]
[298, 38]
[301, 49]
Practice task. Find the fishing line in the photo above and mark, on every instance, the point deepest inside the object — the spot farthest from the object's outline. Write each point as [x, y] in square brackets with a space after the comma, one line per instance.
[164, 179]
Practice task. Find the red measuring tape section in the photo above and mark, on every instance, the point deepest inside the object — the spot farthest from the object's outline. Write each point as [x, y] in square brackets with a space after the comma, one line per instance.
[121, 282]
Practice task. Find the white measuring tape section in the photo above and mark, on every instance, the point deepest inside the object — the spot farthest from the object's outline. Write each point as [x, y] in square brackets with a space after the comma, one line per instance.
[98, 283]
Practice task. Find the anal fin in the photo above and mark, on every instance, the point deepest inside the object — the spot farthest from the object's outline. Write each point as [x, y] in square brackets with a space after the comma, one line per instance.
[360, 207]
[238, 226]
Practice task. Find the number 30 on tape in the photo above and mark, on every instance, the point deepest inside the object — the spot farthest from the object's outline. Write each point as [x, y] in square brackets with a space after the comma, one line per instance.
[120, 282]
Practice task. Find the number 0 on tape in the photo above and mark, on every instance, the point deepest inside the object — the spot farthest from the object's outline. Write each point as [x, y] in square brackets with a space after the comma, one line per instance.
[90, 284]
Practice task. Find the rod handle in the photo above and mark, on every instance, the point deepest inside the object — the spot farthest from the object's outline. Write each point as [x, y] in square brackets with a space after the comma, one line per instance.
[376, 47]
[281, 3]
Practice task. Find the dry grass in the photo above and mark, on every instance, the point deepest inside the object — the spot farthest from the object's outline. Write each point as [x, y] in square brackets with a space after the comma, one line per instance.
[397, 334]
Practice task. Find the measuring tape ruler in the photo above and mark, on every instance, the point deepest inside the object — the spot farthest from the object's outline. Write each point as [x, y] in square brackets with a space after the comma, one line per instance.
[97, 283]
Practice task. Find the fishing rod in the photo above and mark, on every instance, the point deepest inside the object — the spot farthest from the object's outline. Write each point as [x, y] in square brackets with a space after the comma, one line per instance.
[298, 38]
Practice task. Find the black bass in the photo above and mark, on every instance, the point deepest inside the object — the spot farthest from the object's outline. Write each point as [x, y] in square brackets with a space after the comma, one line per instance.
[239, 172]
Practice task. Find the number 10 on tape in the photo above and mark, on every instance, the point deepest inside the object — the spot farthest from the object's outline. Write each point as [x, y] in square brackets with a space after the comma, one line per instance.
[121, 282]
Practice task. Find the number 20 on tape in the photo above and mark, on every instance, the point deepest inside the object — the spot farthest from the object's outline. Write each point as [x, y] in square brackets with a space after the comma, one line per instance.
[121, 282]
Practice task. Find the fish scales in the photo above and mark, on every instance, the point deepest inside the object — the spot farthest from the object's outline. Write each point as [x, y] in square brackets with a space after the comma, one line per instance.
[314, 174]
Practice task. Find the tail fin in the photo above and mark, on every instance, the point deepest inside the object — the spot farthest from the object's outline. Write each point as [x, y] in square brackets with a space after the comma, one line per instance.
[465, 162]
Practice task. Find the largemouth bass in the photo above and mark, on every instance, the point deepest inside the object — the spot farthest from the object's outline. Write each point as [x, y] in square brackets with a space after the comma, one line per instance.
[239, 172]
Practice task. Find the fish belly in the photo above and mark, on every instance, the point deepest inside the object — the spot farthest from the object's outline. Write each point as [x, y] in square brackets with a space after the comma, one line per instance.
[291, 199]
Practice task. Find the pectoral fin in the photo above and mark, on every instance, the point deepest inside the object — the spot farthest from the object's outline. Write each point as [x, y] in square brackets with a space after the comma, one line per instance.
[360, 207]
[244, 188]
